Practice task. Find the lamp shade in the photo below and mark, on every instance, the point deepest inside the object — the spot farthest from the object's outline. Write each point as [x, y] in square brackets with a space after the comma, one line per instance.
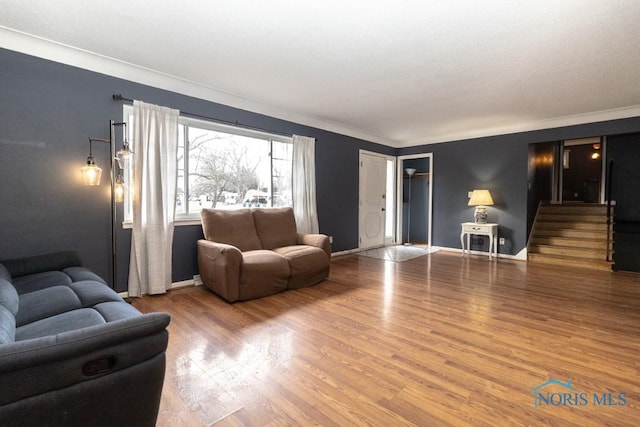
[480, 198]
[91, 173]
[119, 189]
[124, 155]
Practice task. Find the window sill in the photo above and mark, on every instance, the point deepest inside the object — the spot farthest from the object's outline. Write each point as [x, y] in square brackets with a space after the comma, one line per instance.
[127, 225]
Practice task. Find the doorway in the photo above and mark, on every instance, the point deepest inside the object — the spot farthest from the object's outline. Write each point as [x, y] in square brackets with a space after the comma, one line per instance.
[415, 199]
[582, 168]
[376, 216]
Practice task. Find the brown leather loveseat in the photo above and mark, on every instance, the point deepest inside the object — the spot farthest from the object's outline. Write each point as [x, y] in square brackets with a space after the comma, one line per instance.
[252, 253]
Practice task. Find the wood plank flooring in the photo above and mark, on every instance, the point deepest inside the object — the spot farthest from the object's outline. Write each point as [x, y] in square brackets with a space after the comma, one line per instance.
[436, 340]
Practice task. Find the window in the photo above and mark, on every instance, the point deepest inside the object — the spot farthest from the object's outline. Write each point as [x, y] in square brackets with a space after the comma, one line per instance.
[227, 167]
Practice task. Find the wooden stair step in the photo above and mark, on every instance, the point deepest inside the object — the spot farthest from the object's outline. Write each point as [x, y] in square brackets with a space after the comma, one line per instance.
[555, 225]
[582, 253]
[572, 218]
[572, 242]
[582, 207]
[572, 235]
[577, 233]
[570, 261]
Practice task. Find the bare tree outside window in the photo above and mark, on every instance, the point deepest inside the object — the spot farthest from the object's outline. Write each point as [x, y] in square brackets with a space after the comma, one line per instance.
[228, 167]
[221, 164]
[229, 171]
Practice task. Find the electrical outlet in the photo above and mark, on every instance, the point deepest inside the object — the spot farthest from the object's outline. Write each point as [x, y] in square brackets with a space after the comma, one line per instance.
[501, 241]
[330, 239]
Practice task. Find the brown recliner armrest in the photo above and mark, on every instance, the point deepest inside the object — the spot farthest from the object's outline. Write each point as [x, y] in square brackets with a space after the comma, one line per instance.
[219, 266]
[318, 240]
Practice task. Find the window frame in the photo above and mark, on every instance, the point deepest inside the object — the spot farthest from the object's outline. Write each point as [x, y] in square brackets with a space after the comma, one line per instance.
[209, 125]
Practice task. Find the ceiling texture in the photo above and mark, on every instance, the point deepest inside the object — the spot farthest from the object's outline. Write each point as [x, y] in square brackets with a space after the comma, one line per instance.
[400, 73]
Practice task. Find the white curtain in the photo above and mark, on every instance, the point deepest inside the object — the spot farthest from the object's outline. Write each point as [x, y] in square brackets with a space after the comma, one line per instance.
[154, 179]
[304, 184]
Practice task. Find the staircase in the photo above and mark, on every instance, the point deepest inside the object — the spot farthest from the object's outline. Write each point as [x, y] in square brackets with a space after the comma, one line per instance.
[571, 234]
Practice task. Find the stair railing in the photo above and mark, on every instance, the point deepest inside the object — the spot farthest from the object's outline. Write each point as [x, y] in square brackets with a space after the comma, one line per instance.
[533, 227]
[609, 216]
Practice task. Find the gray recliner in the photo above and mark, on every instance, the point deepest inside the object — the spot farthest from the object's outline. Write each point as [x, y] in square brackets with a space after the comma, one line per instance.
[72, 352]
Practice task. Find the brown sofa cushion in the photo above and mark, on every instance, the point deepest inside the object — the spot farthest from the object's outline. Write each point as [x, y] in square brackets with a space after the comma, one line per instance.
[263, 273]
[309, 265]
[276, 227]
[233, 227]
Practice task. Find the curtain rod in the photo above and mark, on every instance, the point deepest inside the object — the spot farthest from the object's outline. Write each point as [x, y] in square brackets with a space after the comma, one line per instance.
[119, 97]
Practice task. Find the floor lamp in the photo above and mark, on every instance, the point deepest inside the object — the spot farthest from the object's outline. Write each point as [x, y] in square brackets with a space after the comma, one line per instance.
[91, 174]
[410, 172]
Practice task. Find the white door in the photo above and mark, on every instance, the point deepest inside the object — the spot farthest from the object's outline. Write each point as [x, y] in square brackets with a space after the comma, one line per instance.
[373, 179]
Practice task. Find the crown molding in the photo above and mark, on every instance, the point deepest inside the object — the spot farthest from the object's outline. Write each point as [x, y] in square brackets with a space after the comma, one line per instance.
[557, 122]
[59, 52]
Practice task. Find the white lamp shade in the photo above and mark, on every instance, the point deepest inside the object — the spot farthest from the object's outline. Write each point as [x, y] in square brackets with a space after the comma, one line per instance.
[124, 155]
[480, 198]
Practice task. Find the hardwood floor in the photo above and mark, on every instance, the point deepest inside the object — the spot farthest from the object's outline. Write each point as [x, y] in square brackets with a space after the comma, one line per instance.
[436, 340]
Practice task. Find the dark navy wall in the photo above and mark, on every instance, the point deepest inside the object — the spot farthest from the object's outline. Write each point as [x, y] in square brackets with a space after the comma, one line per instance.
[47, 111]
[499, 164]
[460, 167]
[623, 153]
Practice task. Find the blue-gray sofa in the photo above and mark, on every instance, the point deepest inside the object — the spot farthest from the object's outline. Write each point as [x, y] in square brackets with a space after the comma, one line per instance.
[73, 352]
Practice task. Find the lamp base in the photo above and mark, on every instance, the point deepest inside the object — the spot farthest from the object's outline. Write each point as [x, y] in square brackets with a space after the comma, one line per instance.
[480, 215]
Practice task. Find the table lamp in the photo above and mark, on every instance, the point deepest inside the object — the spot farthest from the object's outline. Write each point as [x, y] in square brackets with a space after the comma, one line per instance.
[480, 199]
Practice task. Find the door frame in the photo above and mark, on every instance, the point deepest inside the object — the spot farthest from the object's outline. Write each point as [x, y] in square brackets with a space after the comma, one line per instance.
[400, 196]
[393, 214]
[559, 163]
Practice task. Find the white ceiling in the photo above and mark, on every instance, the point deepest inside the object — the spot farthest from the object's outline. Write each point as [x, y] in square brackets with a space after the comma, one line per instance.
[397, 72]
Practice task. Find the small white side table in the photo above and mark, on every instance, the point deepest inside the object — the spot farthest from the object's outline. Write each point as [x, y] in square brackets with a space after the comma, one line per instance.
[491, 230]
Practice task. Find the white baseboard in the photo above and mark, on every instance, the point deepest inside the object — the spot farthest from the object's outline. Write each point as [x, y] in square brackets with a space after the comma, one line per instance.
[196, 281]
[347, 252]
[182, 284]
[522, 255]
[518, 256]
